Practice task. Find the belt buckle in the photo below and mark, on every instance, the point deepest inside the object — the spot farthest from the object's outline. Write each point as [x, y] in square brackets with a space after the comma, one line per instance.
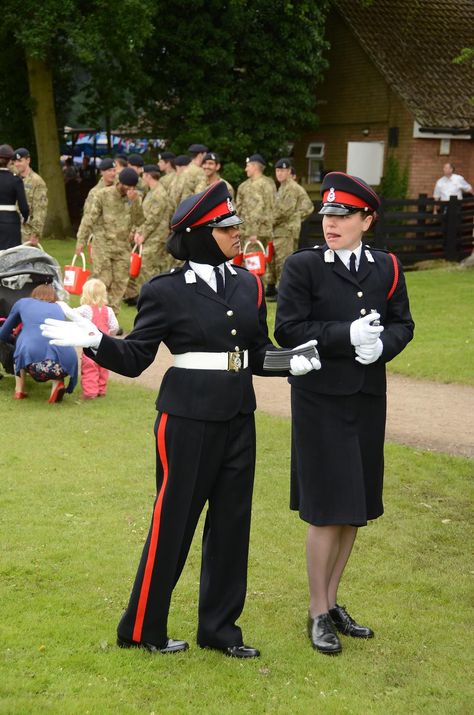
[235, 360]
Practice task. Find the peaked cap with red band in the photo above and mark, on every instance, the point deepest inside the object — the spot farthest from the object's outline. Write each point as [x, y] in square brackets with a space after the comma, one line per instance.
[344, 194]
[212, 207]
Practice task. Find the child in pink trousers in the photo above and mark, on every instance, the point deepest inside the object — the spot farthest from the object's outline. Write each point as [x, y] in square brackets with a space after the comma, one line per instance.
[94, 306]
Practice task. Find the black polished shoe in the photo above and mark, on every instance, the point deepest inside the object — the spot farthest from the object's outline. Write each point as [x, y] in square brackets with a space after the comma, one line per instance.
[242, 651]
[322, 634]
[346, 625]
[170, 646]
[236, 651]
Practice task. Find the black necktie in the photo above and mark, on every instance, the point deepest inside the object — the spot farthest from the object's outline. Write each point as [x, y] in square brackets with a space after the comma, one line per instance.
[219, 282]
[352, 264]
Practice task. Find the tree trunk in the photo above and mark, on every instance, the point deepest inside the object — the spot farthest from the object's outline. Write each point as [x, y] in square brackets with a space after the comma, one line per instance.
[40, 79]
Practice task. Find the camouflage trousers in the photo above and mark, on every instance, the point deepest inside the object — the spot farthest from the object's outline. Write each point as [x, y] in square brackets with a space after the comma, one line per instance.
[283, 246]
[111, 264]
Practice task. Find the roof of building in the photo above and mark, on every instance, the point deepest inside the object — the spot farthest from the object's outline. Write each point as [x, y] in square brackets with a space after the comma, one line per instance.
[413, 44]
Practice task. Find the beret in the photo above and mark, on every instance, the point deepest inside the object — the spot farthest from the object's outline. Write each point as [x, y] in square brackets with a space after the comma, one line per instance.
[166, 155]
[211, 207]
[21, 153]
[151, 169]
[197, 148]
[135, 160]
[256, 157]
[343, 194]
[106, 163]
[283, 164]
[182, 160]
[128, 177]
[6, 151]
[212, 156]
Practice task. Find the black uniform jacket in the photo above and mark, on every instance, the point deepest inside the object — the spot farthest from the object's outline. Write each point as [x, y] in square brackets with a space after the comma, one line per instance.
[319, 298]
[191, 317]
[12, 191]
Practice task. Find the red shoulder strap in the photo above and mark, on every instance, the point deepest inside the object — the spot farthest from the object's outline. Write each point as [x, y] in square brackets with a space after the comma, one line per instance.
[395, 276]
[260, 290]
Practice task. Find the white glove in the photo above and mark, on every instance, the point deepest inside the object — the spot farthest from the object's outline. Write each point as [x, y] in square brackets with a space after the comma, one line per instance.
[362, 332]
[79, 333]
[369, 353]
[300, 365]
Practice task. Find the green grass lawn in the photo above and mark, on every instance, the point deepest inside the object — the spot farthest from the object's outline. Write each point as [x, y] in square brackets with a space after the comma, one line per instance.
[442, 304]
[77, 494]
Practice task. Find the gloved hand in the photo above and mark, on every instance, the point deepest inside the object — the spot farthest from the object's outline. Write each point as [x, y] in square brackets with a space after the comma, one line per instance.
[363, 332]
[369, 353]
[300, 365]
[79, 333]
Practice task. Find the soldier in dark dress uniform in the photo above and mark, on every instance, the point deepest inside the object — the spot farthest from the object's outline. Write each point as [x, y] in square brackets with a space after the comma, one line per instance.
[212, 317]
[338, 414]
[12, 192]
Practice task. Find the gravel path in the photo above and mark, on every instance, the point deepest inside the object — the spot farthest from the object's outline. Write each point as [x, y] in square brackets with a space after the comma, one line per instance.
[423, 414]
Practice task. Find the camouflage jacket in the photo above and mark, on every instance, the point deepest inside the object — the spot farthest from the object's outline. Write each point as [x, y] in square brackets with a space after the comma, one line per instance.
[292, 206]
[230, 188]
[157, 210]
[191, 181]
[37, 197]
[116, 217]
[255, 204]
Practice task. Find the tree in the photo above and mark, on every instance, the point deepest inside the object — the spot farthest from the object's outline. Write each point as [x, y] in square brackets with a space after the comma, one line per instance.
[46, 32]
[238, 75]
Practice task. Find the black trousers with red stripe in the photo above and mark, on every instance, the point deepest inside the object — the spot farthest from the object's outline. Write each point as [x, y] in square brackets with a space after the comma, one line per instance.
[197, 462]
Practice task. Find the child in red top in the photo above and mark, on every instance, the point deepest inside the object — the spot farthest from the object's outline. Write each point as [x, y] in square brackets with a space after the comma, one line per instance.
[94, 307]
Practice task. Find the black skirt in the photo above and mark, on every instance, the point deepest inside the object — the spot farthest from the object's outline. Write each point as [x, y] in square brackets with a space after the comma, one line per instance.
[337, 457]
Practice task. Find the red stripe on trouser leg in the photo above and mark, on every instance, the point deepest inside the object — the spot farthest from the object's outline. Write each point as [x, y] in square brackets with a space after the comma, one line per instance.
[155, 533]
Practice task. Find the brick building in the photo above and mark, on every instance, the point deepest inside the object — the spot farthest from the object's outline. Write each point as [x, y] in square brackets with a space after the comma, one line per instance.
[391, 89]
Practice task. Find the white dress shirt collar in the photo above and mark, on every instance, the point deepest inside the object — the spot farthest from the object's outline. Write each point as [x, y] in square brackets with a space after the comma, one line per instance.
[345, 254]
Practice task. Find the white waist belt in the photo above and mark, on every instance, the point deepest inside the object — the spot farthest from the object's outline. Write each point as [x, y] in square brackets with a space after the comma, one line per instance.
[234, 361]
[7, 207]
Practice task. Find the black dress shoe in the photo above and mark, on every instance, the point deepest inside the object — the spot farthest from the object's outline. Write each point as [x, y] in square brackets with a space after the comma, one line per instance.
[346, 625]
[236, 651]
[170, 646]
[322, 634]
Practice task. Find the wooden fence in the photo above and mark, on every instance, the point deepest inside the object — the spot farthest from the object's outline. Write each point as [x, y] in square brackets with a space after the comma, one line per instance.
[415, 229]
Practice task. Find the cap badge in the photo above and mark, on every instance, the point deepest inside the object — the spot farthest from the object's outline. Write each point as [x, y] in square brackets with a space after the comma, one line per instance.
[230, 205]
[331, 195]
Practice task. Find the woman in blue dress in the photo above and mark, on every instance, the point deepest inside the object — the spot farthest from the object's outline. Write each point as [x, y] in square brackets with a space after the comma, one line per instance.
[34, 355]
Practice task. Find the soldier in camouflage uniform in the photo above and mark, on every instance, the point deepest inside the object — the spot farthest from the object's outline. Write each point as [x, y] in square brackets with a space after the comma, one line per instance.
[36, 195]
[113, 217]
[154, 231]
[193, 179]
[135, 162]
[166, 164]
[211, 166]
[108, 170]
[292, 207]
[255, 204]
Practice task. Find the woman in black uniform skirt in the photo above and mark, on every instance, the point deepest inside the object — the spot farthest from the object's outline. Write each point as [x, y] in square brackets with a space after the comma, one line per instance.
[12, 192]
[353, 300]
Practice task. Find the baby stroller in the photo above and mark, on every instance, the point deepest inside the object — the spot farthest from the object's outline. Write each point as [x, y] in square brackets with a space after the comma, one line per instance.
[22, 268]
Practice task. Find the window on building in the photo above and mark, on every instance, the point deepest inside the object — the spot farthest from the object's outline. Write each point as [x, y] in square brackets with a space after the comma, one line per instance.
[315, 157]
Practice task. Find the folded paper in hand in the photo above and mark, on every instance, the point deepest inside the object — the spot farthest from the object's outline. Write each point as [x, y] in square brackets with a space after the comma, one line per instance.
[280, 359]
